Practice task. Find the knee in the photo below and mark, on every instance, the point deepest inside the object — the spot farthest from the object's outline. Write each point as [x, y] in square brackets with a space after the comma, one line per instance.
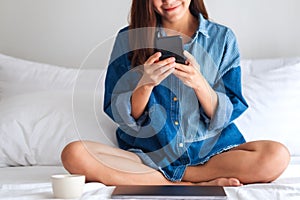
[70, 155]
[273, 160]
[277, 155]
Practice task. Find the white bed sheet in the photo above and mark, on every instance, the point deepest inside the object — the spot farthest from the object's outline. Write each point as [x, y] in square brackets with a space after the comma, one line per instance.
[34, 183]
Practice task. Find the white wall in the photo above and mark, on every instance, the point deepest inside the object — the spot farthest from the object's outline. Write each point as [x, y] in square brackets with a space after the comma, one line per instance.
[63, 32]
[58, 31]
[264, 28]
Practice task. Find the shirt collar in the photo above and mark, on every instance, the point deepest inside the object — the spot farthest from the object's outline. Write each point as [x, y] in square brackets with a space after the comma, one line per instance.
[203, 26]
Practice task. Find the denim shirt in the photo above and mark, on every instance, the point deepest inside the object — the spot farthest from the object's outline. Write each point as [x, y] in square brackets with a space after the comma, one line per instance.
[174, 131]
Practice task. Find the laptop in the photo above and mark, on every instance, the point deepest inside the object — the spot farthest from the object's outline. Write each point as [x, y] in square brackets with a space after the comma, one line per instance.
[169, 192]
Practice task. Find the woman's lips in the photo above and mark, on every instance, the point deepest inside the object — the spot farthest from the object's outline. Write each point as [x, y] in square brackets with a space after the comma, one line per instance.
[171, 9]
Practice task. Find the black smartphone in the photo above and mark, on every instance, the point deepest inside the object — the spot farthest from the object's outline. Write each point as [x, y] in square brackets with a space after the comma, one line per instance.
[170, 46]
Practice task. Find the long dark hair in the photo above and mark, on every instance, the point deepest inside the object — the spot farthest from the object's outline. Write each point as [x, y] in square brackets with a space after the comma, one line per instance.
[144, 19]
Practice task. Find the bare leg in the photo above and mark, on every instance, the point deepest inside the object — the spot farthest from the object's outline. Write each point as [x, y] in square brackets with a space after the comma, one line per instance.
[108, 165]
[259, 161]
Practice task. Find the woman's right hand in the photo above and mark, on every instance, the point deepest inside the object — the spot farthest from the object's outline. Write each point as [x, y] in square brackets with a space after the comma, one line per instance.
[155, 71]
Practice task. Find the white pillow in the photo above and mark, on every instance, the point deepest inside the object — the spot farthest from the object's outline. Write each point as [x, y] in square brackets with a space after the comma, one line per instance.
[20, 76]
[44, 107]
[272, 90]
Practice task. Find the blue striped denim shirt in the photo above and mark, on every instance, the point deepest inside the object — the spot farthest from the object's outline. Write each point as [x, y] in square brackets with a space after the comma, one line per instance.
[174, 132]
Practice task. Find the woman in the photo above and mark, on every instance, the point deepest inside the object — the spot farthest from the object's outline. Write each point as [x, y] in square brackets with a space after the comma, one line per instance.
[175, 120]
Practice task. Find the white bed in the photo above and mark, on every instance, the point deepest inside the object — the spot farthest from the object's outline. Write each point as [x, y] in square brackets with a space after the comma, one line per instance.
[43, 107]
[33, 183]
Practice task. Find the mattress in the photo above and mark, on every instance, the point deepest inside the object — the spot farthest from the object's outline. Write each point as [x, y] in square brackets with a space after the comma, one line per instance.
[34, 183]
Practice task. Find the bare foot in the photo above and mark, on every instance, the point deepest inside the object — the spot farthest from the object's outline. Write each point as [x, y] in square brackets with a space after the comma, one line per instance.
[222, 182]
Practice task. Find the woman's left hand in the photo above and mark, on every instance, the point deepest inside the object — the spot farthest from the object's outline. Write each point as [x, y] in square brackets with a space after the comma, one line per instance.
[189, 74]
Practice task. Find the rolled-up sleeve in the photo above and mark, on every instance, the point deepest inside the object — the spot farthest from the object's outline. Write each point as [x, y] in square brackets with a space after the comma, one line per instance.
[231, 103]
[119, 84]
[121, 109]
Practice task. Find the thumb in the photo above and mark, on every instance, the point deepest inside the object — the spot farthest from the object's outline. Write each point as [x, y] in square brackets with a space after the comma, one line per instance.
[190, 58]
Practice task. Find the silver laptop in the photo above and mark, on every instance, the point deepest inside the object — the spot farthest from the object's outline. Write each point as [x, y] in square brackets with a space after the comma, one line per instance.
[169, 192]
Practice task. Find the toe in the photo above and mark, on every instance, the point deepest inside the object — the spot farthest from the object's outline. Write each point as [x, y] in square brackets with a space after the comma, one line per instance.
[234, 182]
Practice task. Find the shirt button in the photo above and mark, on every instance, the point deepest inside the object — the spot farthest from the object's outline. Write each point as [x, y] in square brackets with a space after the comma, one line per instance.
[175, 99]
[180, 144]
[176, 123]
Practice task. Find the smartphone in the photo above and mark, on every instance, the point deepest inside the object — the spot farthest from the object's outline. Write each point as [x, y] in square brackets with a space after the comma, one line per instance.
[170, 46]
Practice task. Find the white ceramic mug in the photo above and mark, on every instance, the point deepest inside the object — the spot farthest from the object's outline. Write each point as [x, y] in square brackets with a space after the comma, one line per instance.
[67, 186]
